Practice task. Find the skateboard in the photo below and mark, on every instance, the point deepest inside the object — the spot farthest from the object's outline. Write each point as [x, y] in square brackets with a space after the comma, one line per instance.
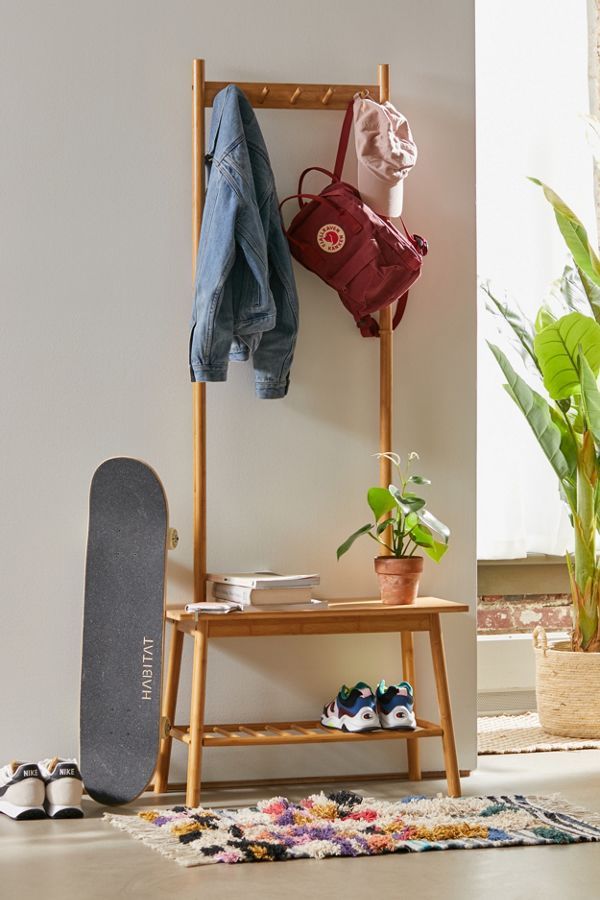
[123, 630]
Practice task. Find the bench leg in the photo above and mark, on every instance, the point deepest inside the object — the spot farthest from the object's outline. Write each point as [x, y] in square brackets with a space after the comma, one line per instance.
[168, 709]
[408, 673]
[441, 682]
[194, 770]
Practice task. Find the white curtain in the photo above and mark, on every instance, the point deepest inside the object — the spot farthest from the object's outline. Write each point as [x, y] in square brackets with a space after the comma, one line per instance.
[532, 94]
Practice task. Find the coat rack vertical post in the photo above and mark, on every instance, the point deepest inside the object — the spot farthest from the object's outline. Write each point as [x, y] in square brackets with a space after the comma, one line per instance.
[198, 388]
[386, 367]
[274, 96]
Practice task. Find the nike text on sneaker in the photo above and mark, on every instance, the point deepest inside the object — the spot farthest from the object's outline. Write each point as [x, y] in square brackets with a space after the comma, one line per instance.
[63, 788]
[22, 791]
[395, 706]
[354, 710]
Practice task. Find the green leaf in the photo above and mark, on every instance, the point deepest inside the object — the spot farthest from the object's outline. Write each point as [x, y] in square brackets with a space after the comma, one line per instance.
[537, 412]
[383, 525]
[574, 292]
[418, 479]
[592, 292]
[591, 397]
[410, 498]
[428, 519]
[544, 318]
[574, 234]
[380, 500]
[436, 551]
[567, 292]
[410, 521]
[520, 326]
[422, 536]
[407, 502]
[343, 548]
[568, 443]
[557, 350]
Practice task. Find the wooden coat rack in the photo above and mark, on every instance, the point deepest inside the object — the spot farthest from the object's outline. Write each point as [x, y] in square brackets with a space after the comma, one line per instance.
[291, 97]
[342, 617]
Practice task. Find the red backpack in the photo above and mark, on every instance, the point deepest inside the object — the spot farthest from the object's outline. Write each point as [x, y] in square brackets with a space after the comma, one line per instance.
[353, 249]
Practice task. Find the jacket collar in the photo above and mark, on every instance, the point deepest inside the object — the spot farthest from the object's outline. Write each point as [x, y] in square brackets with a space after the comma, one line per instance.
[232, 117]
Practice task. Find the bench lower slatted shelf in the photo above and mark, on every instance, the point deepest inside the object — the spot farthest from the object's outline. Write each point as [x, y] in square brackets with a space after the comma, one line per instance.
[310, 732]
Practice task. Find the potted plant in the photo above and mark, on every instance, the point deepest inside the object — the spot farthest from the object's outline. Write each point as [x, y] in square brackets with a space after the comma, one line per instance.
[402, 525]
[561, 349]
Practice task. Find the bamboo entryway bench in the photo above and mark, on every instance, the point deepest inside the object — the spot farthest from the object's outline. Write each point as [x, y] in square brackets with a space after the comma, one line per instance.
[343, 617]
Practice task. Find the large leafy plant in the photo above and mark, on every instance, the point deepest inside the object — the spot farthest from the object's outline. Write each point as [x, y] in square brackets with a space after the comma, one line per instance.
[561, 352]
[402, 523]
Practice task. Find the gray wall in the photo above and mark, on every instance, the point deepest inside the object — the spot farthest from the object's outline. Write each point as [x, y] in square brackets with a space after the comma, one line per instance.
[95, 290]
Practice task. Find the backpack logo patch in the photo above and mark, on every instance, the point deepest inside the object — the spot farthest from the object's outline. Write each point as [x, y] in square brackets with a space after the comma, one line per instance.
[331, 238]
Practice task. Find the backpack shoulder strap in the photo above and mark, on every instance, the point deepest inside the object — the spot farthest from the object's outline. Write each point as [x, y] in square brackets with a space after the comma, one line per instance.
[343, 144]
[369, 326]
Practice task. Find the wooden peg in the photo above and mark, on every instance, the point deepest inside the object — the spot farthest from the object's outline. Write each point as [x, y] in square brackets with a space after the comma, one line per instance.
[264, 94]
[327, 96]
[295, 95]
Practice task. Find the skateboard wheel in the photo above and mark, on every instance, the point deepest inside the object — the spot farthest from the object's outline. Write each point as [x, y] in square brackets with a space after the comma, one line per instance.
[172, 538]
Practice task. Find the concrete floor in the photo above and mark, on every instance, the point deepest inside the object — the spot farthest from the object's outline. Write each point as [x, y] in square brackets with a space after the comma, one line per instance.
[87, 859]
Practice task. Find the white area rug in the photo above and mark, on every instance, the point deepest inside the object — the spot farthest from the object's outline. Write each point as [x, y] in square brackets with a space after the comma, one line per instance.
[523, 734]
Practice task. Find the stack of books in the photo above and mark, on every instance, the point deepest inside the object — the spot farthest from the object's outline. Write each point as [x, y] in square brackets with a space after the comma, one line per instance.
[264, 591]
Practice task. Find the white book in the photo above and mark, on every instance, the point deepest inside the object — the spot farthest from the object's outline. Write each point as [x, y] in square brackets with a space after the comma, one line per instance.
[216, 608]
[247, 596]
[264, 581]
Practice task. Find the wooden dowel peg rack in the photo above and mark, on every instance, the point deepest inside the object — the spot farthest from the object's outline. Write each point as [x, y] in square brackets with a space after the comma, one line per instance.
[281, 95]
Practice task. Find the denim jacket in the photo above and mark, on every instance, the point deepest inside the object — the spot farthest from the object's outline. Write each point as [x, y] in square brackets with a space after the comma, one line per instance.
[245, 300]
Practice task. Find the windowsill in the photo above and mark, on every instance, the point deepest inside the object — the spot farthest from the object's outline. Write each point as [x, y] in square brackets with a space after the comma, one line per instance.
[532, 559]
[551, 635]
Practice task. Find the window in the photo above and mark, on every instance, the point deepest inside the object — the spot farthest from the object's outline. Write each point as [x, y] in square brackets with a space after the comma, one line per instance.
[532, 96]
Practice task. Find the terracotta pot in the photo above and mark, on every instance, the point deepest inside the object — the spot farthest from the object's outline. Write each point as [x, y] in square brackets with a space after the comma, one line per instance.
[398, 578]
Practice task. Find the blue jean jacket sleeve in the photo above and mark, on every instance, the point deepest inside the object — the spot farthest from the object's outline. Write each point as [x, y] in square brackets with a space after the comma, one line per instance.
[273, 358]
[212, 318]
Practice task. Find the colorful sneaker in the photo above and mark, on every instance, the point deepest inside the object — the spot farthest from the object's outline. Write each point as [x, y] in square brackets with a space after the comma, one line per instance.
[395, 706]
[63, 788]
[353, 709]
[22, 791]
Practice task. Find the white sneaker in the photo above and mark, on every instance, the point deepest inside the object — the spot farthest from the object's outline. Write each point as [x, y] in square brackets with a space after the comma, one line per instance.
[22, 791]
[63, 788]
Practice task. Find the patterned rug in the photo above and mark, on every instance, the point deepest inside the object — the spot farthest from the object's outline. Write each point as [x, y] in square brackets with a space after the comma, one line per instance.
[523, 734]
[346, 824]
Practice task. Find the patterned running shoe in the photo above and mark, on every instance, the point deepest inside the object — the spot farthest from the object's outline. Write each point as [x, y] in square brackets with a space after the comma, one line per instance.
[395, 706]
[354, 709]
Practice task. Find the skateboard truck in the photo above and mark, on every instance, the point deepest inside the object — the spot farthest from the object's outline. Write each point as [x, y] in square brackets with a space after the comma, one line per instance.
[172, 538]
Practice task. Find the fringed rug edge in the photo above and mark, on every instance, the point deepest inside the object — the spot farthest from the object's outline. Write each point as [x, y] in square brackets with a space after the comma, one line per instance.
[152, 837]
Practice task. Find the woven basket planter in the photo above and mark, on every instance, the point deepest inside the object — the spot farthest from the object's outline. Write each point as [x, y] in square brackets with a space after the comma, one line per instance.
[567, 687]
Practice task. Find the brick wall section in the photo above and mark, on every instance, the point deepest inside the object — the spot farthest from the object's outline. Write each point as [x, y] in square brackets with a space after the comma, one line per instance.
[520, 613]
